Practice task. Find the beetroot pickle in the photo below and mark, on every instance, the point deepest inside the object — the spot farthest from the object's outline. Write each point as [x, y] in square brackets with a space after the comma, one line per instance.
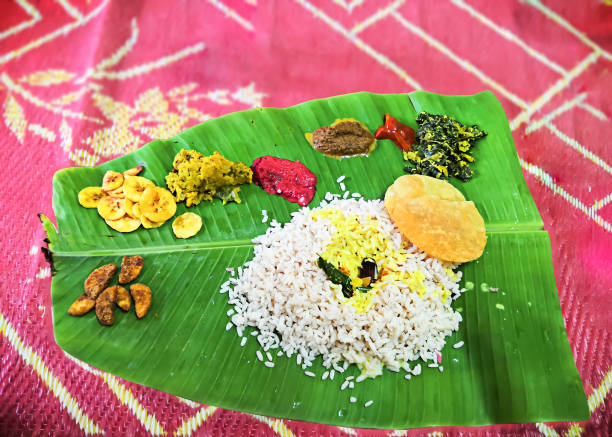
[289, 179]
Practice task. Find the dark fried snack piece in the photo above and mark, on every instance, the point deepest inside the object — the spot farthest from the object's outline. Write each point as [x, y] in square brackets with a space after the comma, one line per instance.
[105, 306]
[99, 279]
[81, 306]
[142, 299]
[130, 268]
[124, 301]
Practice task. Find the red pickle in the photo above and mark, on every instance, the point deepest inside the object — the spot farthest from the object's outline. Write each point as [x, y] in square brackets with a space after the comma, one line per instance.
[399, 133]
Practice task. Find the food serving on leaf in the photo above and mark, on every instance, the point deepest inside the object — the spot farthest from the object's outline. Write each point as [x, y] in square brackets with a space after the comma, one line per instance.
[435, 216]
[187, 225]
[343, 138]
[103, 298]
[442, 148]
[125, 201]
[195, 177]
[399, 133]
[342, 281]
[289, 179]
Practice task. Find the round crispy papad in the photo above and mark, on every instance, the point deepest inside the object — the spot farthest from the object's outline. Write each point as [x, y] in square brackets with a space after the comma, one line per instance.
[435, 216]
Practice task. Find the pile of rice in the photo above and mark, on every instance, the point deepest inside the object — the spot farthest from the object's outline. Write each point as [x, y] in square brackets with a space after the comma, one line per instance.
[294, 306]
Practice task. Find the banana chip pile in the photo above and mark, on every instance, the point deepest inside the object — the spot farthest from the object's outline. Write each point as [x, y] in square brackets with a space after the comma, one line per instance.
[104, 298]
[125, 201]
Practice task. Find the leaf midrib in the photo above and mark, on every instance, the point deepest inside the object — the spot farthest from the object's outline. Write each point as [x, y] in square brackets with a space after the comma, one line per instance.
[211, 245]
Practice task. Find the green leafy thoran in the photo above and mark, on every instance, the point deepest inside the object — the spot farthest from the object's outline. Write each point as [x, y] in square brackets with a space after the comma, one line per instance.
[442, 147]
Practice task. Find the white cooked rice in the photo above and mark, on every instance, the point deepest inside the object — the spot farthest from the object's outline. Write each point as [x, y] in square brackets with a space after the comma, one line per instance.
[290, 301]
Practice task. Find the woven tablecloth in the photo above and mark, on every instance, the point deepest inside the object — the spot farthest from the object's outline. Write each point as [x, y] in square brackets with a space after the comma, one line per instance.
[82, 82]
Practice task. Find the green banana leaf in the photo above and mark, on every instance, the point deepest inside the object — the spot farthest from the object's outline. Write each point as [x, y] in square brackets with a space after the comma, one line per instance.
[516, 364]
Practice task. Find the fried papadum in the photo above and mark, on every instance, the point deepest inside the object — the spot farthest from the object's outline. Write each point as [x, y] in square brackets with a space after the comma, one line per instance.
[435, 216]
[81, 306]
[99, 279]
[105, 306]
[142, 299]
[411, 187]
[130, 268]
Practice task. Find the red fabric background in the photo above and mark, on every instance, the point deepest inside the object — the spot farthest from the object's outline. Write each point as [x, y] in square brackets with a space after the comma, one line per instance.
[82, 82]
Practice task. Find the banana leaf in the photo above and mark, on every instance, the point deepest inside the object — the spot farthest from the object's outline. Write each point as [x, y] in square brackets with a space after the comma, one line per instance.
[516, 364]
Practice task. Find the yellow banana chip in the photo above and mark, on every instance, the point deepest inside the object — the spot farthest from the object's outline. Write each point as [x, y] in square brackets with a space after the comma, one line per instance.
[134, 186]
[117, 193]
[157, 204]
[136, 210]
[133, 171]
[187, 225]
[111, 208]
[124, 224]
[148, 224]
[128, 206]
[112, 180]
[90, 197]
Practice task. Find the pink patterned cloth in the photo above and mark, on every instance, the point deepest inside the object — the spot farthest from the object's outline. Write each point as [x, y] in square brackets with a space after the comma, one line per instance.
[82, 82]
